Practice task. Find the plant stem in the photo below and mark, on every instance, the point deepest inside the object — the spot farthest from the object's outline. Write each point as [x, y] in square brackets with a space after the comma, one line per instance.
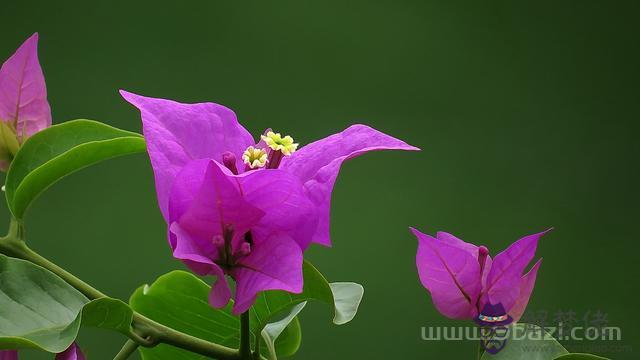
[245, 336]
[159, 333]
[17, 248]
[129, 348]
[256, 349]
[146, 332]
[480, 350]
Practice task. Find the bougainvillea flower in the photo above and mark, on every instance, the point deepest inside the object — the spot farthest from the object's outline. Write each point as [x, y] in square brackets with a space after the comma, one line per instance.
[462, 278]
[24, 109]
[177, 133]
[246, 226]
[72, 353]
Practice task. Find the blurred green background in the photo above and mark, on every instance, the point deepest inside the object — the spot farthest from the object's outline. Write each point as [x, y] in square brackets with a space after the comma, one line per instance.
[527, 113]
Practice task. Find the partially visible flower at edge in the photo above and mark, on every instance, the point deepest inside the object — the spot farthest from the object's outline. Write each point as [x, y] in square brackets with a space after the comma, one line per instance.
[72, 353]
[24, 109]
[462, 278]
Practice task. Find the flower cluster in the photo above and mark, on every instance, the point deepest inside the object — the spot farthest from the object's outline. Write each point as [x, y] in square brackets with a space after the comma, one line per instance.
[240, 208]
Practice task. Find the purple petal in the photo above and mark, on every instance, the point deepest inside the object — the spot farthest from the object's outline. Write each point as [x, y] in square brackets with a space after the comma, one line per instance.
[220, 292]
[488, 263]
[177, 133]
[286, 207]
[203, 200]
[195, 254]
[526, 288]
[192, 255]
[451, 274]
[72, 353]
[454, 241]
[275, 263]
[217, 202]
[23, 92]
[469, 248]
[317, 165]
[8, 355]
[503, 281]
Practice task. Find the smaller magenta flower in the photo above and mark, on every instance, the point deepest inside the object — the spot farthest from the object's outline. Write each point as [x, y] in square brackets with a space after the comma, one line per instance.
[24, 109]
[462, 278]
[245, 226]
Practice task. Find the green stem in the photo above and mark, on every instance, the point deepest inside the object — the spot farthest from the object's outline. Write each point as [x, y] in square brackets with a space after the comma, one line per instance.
[245, 336]
[256, 348]
[159, 333]
[19, 249]
[480, 350]
[146, 332]
[129, 348]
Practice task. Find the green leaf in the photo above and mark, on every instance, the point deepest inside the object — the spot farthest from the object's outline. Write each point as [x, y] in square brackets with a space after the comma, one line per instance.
[109, 314]
[528, 342]
[272, 331]
[344, 297]
[577, 356]
[38, 309]
[180, 300]
[60, 150]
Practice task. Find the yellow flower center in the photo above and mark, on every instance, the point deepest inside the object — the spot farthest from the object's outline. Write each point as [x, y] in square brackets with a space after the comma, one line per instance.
[254, 157]
[278, 143]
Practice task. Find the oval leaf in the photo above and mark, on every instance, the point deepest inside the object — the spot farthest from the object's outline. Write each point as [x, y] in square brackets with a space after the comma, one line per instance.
[272, 331]
[58, 151]
[180, 300]
[109, 314]
[38, 309]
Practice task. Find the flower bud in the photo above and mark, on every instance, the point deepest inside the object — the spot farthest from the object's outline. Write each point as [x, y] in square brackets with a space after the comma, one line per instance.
[229, 161]
[9, 145]
[245, 249]
[483, 252]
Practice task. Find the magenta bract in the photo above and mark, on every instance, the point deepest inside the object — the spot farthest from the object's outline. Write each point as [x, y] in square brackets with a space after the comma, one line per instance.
[24, 109]
[177, 133]
[240, 207]
[462, 278]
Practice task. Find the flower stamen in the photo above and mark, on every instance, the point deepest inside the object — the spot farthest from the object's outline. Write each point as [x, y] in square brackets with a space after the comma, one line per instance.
[228, 253]
[278, 143]
[254, 157]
